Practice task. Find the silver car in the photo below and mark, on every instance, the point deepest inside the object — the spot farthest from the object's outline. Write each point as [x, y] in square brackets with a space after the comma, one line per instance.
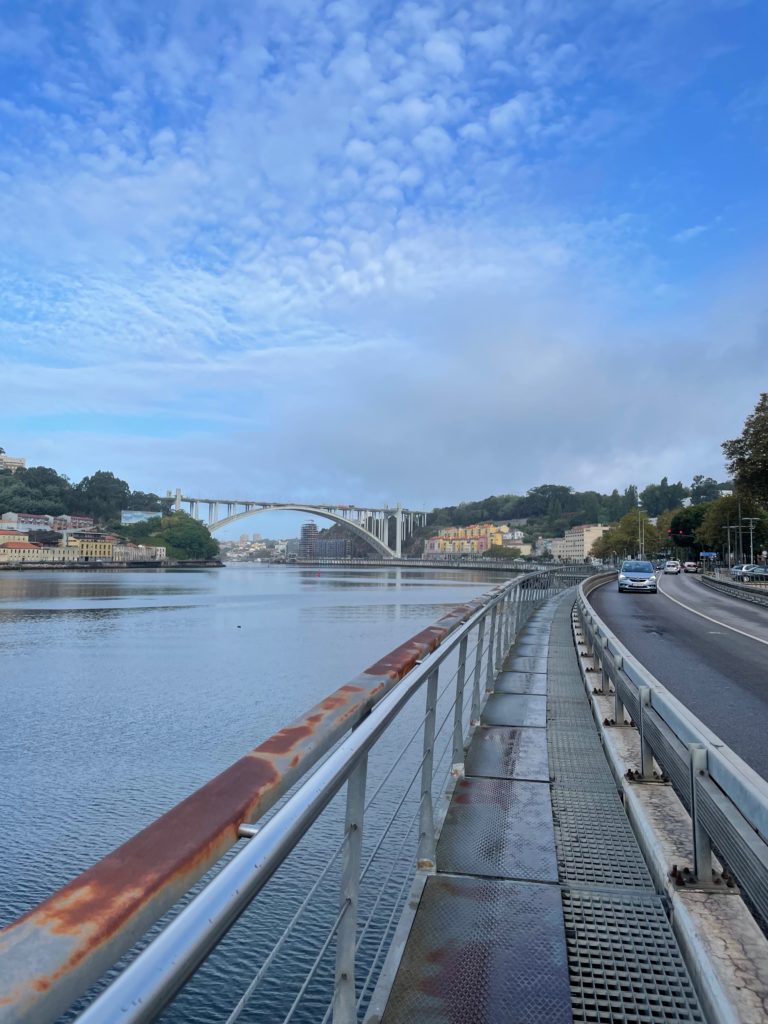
[637, 575]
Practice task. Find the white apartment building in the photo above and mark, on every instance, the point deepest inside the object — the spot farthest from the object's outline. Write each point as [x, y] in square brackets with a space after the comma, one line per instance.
[557, 547]
[12, 463]
[579, 540]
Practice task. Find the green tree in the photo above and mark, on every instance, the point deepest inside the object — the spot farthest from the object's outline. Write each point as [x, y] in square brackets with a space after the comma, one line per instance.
[36, 489]
[622, 539]
[658, 498]
[747, 455]
[703, 489]
[499, 551]
[102, 496]
[684, 526]
[723, 515]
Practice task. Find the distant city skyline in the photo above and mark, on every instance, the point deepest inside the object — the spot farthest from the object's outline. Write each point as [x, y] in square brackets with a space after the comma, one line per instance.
[386, 252]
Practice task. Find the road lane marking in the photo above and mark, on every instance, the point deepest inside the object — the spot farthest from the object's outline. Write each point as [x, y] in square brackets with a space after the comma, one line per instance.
[717, 622]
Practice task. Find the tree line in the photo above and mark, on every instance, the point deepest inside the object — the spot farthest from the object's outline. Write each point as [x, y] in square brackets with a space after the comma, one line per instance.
[102, 497]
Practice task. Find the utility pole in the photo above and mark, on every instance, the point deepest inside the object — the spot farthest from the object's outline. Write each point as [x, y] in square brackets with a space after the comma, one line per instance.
[639, 529]
[735, 545]
[751, 520]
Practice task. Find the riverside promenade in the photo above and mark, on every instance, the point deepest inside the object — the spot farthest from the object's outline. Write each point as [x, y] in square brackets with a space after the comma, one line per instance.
[542, 907]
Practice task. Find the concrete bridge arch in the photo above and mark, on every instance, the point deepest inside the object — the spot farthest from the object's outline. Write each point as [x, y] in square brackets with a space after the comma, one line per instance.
[378, 546]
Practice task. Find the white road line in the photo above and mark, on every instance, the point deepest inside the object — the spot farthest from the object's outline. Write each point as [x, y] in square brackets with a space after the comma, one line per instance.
[717, 622]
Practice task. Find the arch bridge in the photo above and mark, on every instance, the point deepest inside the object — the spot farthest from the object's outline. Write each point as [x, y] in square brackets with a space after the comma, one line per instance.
[372, 524]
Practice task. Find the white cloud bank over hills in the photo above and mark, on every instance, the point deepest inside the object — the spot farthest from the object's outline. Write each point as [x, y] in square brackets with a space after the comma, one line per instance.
[371, 252]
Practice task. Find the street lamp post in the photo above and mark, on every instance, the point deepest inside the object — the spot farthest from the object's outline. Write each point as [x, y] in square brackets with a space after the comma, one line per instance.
[640, 544]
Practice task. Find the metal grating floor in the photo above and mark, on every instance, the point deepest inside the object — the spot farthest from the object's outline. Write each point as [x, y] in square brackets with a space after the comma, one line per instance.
[521, 682]
[497, 828]
[515, 709]
[595, 842]
[483, 952]
[624, 961]
[508, 753]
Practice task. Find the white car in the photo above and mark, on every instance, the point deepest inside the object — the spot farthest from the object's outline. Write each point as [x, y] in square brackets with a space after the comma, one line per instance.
[672, 566]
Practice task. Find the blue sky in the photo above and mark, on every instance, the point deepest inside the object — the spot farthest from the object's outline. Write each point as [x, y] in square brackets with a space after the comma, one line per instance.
[382, 251]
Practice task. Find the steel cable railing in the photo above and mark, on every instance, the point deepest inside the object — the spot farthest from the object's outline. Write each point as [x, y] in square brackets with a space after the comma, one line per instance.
[477, 636]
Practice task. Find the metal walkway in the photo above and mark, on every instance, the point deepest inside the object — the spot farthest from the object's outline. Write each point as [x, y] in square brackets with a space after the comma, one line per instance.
[542, 908]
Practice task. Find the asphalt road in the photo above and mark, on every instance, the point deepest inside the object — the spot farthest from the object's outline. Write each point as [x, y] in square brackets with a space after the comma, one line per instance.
[717, 666]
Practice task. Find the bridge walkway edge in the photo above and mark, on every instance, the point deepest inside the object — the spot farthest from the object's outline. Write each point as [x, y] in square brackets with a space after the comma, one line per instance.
[541, 907]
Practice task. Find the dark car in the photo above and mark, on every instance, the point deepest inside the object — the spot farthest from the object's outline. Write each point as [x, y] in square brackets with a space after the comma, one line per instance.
[637, 575]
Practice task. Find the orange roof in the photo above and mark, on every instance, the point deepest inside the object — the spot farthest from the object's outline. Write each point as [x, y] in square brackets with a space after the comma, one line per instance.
[18, 545]
[14, 532]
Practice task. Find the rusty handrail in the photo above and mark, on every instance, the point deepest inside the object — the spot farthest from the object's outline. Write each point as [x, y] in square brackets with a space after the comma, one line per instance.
[54, 952]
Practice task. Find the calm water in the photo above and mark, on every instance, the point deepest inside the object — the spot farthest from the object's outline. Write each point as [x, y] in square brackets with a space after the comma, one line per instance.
[122, 692]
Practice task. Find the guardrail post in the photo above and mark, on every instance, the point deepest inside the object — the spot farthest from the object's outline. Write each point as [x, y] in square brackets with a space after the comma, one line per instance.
[475, 713]
[646, 754]
[457, 764]
[344, 995]
[618, 703]
[507, 619]
[702, 848]
[489, 673]
[604, 677]
[425, 857]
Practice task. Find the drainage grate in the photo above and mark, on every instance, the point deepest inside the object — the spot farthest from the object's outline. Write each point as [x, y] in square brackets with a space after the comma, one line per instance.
[624, 962]
[595, 842]
[576, 757]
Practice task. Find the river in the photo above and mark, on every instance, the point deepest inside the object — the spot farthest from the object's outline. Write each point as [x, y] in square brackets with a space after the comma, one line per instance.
[122, 692]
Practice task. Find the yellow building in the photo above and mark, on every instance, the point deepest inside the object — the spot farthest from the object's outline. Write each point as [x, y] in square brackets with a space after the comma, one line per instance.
[452, 541]
[92, 549]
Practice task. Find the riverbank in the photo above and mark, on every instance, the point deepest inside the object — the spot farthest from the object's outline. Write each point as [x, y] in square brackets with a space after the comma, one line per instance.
[189, 563]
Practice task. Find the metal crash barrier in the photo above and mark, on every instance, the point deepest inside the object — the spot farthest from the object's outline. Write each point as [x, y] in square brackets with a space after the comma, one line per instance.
[727, 801]
[56, 952]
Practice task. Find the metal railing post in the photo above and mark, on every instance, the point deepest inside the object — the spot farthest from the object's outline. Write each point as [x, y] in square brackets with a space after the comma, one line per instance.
[489, 668]
[425, 856]
[475, 713]
[499, 634]
[646, 754]
[702, 848]
[344, 995]
[507, 620]
[457, 763]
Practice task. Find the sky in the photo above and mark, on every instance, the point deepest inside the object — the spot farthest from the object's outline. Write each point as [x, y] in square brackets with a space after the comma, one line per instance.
[369, 252]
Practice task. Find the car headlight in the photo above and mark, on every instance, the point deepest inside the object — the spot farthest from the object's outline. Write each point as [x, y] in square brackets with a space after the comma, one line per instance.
[622, 576]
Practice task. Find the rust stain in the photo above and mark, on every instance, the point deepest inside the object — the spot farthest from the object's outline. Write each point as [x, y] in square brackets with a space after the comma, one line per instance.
[95, 904]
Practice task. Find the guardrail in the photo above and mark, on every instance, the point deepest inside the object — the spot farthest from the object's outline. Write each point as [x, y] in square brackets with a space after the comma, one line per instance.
[54, 953]
[726, 799]
[740, 591]
[503, 564]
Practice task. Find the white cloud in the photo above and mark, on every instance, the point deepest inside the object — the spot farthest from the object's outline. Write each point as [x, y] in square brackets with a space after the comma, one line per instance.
[434, 143]
[444, 53]
[270, 210]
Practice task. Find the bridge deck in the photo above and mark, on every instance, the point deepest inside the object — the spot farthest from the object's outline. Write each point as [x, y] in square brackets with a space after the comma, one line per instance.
[542, 908]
